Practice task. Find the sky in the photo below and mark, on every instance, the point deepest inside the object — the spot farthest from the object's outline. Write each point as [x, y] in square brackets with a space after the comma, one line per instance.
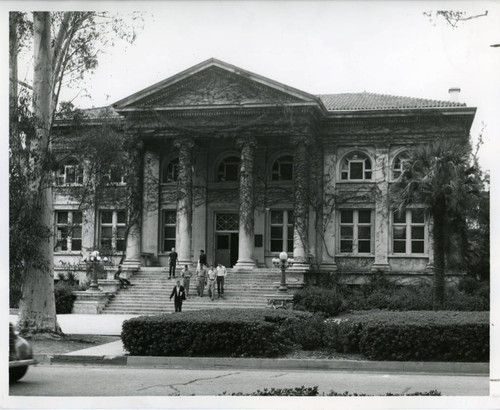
[320, 47]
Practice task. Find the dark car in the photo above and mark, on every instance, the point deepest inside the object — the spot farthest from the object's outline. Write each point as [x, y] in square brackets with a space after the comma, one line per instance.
[20, 355]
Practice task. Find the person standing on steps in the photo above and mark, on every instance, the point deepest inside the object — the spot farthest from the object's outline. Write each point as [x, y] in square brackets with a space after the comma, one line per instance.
[201, 280]
[202, 260]
[186, 278]
[221, 274]
[179, 295]
[212, 274]
[173, 261]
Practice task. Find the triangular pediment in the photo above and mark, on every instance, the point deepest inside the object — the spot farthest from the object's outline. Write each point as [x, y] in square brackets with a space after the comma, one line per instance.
[212, 84]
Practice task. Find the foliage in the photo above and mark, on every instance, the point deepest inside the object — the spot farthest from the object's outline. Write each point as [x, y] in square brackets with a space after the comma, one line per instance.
[443, 178]
[64, 297]
[440, 335]
[306, 333]
[235, 332]
[317, 299]
[313, 391]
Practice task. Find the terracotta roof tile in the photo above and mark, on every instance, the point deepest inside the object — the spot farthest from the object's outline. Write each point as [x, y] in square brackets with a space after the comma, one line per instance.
[372, 101]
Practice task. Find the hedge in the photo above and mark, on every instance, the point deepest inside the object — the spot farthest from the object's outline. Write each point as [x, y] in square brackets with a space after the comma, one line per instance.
[228, 332]
[440, 335]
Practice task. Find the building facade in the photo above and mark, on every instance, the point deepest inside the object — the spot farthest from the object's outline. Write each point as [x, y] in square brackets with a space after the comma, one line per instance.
[244, 167]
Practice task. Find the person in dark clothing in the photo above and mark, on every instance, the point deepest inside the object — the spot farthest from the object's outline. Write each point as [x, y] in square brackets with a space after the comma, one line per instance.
[179, 295]
[203, 258]
[173, 261]
[124, 283]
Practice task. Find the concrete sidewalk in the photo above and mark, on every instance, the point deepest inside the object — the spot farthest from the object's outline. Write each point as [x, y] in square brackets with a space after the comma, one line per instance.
[114, 354]
[72, 324]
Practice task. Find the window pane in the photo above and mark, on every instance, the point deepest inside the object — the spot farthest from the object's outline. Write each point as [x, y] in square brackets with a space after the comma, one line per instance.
[76, 245]
[399, 232]
[106, 243]
[290, 233]
[417, 216]
[121, 217]
[106, 217]
[76, 232]
[417, 232]
[276, 232]
[290, 218]
[346, 217]
[417, 246]
[364, 247]
[344, 175]
[346, 232]
[170, 217]
[356, 170]
[231, 172]
[62, 245]
[368, 175]
[365, 217]
[399, 247]
[290, 245]
[120, 232]
[168, 244]
[399, 219]
[77, 217]
[277, 217]
[120, 245]
[276, 246]
[286, 172]
[345, 246]
[62, 217]
[106, 232]
[169, 232]
[364, 232]
[70, 175]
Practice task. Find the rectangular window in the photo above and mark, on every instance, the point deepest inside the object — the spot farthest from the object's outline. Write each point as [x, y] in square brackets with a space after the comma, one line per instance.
[281, 231]
[408, 232]
[356, 231]
[113, 227]
[169, 228]
[68, 231]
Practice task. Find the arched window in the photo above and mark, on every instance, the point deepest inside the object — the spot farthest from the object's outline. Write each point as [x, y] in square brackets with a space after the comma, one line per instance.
[282, 169]
[70, 173]
[399, 164]
[228, 169]
[356, 166]
[170, 172]
[115, 175]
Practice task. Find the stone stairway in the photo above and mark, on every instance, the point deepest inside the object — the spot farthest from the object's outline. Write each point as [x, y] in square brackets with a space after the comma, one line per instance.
[150, 295]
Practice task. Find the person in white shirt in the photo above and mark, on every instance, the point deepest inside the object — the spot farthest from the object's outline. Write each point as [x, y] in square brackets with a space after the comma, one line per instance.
[221, 274]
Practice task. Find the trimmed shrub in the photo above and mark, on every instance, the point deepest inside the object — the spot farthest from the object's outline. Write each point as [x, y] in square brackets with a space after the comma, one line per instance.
[228, 332]
[306, 332]
[441, 335]
[63, 293]
[316, 299]
[313, 391]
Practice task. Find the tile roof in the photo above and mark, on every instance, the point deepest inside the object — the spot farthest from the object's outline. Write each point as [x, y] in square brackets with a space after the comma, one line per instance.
[371, 101]
[90, 113]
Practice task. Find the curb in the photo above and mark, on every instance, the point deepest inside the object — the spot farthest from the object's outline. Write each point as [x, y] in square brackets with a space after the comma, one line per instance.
[268, 364]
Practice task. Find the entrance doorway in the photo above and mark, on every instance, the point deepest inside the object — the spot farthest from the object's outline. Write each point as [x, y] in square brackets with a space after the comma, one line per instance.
[226, 238]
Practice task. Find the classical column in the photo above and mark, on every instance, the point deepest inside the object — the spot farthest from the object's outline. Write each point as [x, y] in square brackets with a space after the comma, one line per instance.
[300, 203]
[134, 186]
[184, 200]
[329, 209]
[246, 225]
[382, 214]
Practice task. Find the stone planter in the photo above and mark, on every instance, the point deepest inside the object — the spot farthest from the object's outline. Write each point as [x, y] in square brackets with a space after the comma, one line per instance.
[109, 286]
[89, 302]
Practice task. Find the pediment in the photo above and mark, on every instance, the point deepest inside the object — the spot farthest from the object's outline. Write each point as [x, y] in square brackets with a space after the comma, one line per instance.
[216, 84]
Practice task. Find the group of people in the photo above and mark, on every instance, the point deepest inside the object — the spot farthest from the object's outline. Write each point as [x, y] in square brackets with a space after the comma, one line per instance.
[205, 275]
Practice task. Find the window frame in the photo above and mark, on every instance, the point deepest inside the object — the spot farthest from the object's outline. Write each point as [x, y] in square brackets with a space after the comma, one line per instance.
[356, 225]
[349, 159]
[166, 177]
[115, 226]
[286, 228]
[61, 179]
[402, 157]
[281, 160]
[221, 175]
[167, 248]
[409, 240]
[69, 225]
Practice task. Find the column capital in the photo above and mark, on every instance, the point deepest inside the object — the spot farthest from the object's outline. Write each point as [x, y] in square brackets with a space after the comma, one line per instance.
[242, 141]
[184, 141]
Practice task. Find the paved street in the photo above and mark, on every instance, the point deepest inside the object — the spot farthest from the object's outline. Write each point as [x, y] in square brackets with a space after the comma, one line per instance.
[65, 380]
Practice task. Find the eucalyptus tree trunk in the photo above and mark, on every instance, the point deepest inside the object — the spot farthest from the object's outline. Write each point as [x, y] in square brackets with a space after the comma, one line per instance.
[37, 307]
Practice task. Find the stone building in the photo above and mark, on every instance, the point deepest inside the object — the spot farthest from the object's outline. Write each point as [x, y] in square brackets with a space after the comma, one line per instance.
[246, 167]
